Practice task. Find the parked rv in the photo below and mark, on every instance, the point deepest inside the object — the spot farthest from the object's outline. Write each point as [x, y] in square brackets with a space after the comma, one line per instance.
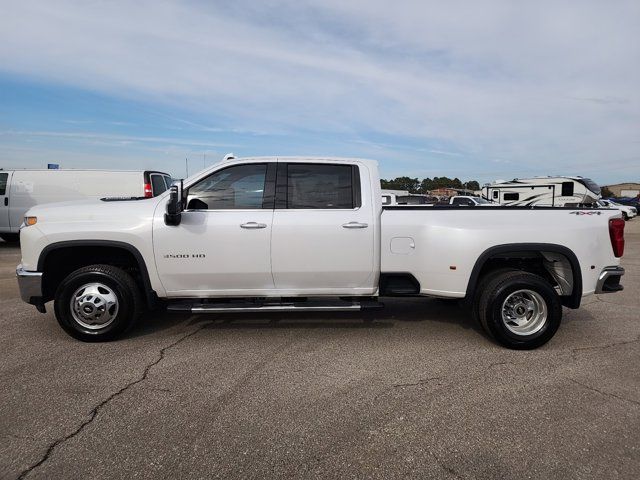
[544, 191]
[22, 189]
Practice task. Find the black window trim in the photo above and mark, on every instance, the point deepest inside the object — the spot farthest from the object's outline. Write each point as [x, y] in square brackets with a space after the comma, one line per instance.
[153, 190]
[281, 186]
[5, 193]
[268, 196]
[516, 199]
[564, 192]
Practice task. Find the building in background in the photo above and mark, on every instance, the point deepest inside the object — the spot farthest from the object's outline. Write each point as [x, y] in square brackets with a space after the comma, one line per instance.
[625, 189]
[444, 192]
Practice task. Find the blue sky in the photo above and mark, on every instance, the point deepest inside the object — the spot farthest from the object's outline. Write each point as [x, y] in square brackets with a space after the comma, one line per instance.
[477, 90]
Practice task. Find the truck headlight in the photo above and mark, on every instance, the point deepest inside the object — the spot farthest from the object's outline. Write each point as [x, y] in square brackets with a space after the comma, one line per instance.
[29, 221]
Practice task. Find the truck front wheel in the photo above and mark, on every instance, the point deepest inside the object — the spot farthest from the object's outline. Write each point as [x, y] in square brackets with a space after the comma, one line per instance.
[97, 303]
[519, 309]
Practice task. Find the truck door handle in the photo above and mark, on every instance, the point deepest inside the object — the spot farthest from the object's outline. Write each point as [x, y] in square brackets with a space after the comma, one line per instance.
[253, 225]
[354, 225]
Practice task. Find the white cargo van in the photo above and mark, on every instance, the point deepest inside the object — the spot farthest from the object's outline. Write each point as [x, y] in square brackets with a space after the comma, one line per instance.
[22, 189]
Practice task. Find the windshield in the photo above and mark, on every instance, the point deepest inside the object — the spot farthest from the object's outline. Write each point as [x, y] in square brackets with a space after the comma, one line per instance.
[591, 185]
[482, 200]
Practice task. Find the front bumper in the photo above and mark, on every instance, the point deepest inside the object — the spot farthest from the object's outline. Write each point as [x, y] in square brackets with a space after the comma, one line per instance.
[30, 284]
[609, 280]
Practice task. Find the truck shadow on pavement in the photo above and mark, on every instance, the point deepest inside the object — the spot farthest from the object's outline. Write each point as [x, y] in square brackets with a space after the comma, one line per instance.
[395, 312]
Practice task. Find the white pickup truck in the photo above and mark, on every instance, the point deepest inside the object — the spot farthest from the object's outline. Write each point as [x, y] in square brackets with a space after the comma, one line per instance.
[469, 201]
[298, 234]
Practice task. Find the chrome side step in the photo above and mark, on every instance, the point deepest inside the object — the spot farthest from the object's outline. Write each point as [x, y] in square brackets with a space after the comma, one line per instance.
[256, 307]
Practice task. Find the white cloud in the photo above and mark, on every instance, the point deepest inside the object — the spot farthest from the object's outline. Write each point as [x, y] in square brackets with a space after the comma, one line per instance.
[111, 139]
[548, 85]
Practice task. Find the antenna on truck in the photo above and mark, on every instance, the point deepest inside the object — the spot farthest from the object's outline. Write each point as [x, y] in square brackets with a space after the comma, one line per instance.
[229, 156]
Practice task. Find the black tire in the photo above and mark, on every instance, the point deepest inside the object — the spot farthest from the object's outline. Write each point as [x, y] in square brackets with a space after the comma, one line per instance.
[118, 283]
[474, 304]
[10, 237]
[493, 296]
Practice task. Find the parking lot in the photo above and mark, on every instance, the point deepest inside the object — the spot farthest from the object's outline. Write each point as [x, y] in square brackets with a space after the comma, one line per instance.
[418, 393]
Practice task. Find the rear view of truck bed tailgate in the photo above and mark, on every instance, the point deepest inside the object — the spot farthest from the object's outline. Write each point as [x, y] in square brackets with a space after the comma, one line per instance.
[446, 248]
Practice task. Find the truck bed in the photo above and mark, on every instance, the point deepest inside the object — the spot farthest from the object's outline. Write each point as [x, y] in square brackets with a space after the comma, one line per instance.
[440, 245]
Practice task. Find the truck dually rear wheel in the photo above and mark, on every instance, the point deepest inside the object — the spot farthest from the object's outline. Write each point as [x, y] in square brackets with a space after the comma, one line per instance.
[97, 303]
[519, 310]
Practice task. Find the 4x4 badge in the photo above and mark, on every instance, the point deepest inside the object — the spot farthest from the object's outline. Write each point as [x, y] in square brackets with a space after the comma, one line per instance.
[585, 213]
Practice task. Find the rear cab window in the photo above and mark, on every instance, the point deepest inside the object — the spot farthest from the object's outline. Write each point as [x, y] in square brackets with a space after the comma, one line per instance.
[318, 186]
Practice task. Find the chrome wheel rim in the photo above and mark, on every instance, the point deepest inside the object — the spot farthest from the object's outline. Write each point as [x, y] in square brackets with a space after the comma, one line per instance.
[94, 306]
[524, 312]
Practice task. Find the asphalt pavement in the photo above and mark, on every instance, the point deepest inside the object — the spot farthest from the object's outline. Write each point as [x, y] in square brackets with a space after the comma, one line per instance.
[419, 393]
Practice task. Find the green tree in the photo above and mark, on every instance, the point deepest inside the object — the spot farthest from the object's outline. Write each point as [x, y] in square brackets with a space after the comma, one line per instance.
[413, 185]
[401, 183]
[473, 185]
[606, 193]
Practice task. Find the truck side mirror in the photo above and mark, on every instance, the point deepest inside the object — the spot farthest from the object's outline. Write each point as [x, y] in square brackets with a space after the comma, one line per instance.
[174, 207]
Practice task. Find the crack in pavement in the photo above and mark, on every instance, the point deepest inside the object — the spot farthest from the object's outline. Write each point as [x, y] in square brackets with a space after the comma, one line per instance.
[418, 383]
[602, 347]
[225, 398]
[607, 394]
[598, 299]
[443, 466]
[96, 410]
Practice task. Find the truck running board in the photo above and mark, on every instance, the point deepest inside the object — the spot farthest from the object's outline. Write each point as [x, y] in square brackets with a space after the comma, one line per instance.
[270, 306]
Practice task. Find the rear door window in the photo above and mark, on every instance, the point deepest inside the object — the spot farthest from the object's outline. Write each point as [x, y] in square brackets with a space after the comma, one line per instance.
[321, 186]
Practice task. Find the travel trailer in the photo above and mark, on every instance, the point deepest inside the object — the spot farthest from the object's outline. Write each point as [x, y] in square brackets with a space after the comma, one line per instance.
[544, 191]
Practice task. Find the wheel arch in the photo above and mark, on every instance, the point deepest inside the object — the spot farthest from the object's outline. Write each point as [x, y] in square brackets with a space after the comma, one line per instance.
[519, 250]
[101, 247]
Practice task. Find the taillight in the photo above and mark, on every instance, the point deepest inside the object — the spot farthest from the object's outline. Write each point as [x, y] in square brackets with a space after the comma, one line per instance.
[616, 233]
[148, 192]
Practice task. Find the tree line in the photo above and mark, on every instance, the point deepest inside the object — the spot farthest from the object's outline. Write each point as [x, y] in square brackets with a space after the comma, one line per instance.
[413, 185]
